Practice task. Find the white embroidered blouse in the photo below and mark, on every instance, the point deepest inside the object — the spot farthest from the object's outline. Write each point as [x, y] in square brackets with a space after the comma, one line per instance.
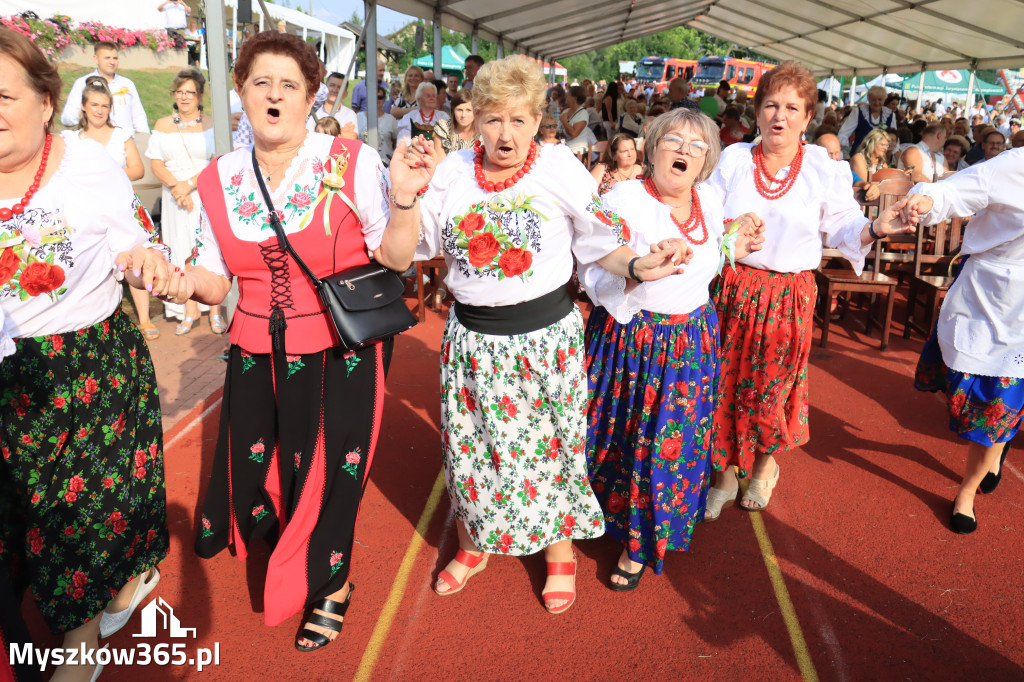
[293, 198]
[649, 222]
[57, 271]
[508, 247]
[820, 203]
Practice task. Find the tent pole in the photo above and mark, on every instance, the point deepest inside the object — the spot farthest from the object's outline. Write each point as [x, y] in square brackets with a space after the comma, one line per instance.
[438, 64]
[234, 33]
[476, 40]
[352, 63]
[371, 58]
[217, 54]
[920, 91]
[853, 91]
[970, 87]
[501, 47]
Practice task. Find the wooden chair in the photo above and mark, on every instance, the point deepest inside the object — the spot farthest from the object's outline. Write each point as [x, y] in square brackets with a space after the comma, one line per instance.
[834, 281]
[434, 266]
[931, 279]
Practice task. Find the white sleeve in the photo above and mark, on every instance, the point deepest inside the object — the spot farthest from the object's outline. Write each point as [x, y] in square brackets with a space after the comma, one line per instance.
[604, 288]
[73, 104]
[842, 219]
[128, 222]
[846, 129]
[962, 194]
[431, 204]
[372, 190]
[139, 121]
[597, 231]
[153, 149]
[405, 127]
[206, 251]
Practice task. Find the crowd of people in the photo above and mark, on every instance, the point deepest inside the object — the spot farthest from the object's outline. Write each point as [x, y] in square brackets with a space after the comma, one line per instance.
[694, 236]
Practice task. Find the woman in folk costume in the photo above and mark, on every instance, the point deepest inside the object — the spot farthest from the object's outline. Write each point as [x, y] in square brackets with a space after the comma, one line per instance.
[509, 217]
[300, 418]
[976, 355]
[765, 303]
[652, 350]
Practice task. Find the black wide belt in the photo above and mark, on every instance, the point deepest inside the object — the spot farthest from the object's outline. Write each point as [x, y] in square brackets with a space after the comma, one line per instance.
[520, 318]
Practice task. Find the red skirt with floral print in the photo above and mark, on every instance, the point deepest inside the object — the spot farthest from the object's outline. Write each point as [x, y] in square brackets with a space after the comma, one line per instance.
[766, 321]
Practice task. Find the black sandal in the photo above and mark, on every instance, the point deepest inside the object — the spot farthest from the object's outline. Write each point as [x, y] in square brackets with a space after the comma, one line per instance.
[632, 579]
[327, 606]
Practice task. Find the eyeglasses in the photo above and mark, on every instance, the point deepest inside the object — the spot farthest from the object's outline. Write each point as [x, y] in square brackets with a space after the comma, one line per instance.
[186, 93]
[549, 125]
[697, 148]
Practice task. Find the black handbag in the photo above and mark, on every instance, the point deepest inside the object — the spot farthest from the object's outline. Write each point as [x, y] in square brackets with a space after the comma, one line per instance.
[363, 302]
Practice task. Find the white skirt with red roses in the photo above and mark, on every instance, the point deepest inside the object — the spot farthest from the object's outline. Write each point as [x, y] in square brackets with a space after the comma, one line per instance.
[514, 432]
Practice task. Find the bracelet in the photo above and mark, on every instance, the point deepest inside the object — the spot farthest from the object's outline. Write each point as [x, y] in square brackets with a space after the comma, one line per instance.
[401, 206]
[632, 272]
[871, 231]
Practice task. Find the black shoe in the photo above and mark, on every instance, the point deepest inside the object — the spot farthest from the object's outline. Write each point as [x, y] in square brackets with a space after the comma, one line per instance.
[991, 481]
[632, 579]
[962, 523]
[327, 606]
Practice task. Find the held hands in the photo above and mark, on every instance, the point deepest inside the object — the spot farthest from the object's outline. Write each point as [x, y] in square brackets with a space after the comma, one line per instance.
[891, 222]
[751, 234]
[411, 168]
[144, 269]
[913, 206]
[666, 258]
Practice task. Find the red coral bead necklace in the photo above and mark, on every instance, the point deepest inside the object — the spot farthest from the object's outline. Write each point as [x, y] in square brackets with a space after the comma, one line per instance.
[19, 208]
[695, 220]
[763, 180]
[489, 186]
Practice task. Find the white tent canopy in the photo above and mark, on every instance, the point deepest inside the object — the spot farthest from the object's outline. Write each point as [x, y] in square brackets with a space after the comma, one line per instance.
[840, 37]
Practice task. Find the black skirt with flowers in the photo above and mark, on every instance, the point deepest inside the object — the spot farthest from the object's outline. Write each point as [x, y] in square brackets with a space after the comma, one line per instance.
[82, 503]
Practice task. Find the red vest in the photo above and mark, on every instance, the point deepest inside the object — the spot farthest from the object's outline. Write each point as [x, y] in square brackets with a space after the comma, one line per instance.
[309, 329]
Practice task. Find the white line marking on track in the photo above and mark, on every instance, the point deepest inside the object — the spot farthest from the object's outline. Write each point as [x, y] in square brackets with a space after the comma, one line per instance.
[198, 420]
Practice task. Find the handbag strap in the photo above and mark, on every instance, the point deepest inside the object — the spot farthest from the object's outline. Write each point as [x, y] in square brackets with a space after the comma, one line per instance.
[275, 222]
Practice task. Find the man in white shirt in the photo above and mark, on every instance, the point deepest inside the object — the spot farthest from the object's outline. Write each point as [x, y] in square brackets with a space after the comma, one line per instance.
[940, 108]
[925, 158]
[127, 111]
[175, 13]
[346, 117]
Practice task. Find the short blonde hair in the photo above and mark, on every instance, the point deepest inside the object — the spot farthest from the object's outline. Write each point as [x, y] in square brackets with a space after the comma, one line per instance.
[328, 125]
[681, 118]
[513, 79]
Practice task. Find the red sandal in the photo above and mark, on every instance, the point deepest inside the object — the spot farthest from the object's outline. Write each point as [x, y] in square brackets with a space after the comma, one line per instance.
[561, 568]
[475, 563]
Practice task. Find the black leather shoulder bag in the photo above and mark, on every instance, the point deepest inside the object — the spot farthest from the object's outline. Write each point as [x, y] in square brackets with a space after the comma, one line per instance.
[363, 302]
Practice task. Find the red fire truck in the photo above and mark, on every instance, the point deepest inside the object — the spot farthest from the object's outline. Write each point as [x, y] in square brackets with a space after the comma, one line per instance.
[658, 71]
[743, 73]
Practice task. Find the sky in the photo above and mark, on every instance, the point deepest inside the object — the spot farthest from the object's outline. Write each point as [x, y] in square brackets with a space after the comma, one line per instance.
[337, 11]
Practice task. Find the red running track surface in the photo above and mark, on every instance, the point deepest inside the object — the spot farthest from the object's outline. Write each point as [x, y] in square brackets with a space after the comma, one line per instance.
[880, 587]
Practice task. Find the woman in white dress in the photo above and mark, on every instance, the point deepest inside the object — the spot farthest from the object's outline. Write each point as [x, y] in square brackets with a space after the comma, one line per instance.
[95, 124]
[421, 121]
[509, 217]
[180, 147]
[978, 360]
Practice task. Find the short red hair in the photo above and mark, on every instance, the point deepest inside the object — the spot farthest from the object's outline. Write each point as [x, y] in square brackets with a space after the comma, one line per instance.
[788, 75]
[286, 44]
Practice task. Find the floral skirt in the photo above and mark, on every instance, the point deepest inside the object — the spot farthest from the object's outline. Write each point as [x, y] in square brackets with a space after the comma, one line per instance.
[82, 502]
[983, 410]
[767, 323]
[652, 394]
[296, 442]
[513, 434]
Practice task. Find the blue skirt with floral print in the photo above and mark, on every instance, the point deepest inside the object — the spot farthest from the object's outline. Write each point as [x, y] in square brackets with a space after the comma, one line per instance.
[652, 386]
